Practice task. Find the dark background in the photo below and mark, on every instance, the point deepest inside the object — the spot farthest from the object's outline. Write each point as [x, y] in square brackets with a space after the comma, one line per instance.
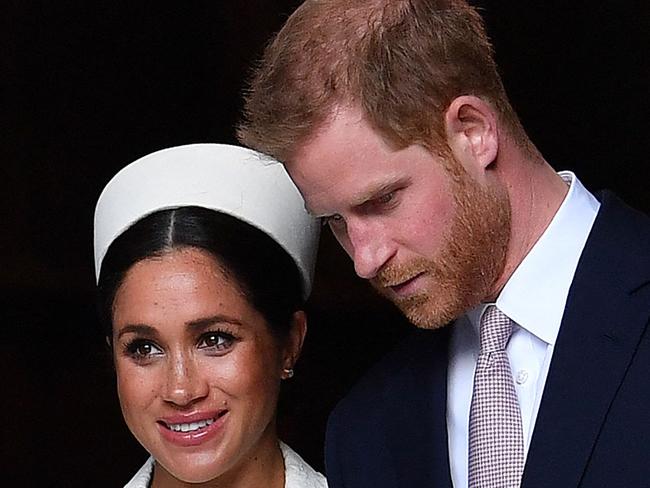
[88, 87]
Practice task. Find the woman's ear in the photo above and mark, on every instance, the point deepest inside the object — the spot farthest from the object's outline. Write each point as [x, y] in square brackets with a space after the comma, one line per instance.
[471, 125]
[294, 342]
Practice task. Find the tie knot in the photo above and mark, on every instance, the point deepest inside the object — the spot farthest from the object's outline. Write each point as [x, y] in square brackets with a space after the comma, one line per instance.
[495, 330]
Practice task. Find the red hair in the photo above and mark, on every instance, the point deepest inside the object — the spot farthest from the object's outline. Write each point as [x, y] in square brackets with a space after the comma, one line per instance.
[402, 62]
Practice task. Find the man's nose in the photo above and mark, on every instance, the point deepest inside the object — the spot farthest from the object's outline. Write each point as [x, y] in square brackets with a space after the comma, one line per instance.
[369, 247]
[184, 383]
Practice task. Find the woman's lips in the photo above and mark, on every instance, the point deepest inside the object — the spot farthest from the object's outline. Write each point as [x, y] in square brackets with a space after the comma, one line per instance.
[192, 430]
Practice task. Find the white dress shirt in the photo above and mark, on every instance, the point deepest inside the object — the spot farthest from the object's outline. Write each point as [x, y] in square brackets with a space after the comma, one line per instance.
[534, 298]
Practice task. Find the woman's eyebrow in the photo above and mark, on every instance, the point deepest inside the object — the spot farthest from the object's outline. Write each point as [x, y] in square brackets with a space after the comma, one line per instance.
[141, 329]
[204, 323]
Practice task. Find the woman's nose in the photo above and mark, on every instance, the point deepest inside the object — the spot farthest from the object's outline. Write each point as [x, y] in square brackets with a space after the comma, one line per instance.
[184, 383]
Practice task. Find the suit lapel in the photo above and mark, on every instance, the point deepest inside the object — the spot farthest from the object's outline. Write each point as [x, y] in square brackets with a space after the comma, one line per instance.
[416, 413]
[606, 314]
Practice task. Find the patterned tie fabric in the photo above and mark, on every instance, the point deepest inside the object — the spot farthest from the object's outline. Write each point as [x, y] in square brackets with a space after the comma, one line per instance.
[496, 444]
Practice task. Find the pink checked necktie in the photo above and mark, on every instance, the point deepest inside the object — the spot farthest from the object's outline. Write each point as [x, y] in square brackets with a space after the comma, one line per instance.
[496, 441]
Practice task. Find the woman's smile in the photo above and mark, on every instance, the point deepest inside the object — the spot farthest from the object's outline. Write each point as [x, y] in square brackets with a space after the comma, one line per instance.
[192, 430]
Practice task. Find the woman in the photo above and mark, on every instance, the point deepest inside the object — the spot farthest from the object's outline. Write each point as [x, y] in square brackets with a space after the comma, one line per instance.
[204, 256]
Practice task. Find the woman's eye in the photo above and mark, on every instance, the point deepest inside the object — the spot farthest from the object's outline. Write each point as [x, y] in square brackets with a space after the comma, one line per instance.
[216, 340]
[143, 349]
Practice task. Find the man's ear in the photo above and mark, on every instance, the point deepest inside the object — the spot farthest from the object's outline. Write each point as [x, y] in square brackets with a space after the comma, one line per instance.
[471, 125]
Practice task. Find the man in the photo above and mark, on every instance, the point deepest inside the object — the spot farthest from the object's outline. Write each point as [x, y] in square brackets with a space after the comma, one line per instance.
[393, 122]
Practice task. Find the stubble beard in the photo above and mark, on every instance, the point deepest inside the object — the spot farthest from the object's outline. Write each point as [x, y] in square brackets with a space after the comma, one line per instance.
[467, 267]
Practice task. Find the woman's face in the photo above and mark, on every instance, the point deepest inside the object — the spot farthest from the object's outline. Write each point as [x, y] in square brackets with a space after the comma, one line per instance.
[198, 370]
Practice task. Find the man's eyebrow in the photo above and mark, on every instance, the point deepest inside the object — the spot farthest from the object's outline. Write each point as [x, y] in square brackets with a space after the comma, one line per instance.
[377, 190]
[141, 329]
[369, 194]
[206, 322]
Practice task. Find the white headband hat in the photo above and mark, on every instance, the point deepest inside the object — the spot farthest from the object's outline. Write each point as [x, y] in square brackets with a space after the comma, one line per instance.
[237, 181]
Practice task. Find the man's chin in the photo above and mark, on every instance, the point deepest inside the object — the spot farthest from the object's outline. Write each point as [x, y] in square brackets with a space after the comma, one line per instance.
[424, 314]
[419, 309]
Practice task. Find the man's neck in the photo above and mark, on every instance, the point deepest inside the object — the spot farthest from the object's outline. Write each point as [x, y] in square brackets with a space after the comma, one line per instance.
[536, 192]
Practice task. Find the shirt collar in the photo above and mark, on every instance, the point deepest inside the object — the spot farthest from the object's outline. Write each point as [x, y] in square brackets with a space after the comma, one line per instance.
[143, 477]
[546, 273]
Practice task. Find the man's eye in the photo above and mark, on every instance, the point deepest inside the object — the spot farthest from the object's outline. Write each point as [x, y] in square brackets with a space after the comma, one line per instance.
[335, 220]
[386, 198]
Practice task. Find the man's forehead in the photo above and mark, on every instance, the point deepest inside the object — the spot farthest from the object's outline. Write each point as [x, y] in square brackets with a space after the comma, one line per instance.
[319, 193]
[344, 164]
[329, 191]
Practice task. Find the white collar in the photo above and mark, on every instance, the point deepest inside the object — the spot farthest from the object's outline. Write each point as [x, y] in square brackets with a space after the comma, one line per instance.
[535, 295]
[298, 474]
[143, 476]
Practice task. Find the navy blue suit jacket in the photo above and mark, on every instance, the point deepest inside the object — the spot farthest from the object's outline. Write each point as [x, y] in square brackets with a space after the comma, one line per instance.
[593, 425]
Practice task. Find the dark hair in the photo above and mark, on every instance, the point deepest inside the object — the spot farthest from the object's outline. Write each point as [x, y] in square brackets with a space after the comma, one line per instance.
[264, 271]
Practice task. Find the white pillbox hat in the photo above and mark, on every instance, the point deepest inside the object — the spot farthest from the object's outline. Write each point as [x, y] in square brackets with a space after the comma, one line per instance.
[230, 179]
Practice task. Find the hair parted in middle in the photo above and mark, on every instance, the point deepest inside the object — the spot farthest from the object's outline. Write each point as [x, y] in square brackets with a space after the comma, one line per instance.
[257, 265]
[401, 62]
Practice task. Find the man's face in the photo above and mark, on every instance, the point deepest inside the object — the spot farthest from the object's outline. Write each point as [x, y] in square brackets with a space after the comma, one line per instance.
[424, 232]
